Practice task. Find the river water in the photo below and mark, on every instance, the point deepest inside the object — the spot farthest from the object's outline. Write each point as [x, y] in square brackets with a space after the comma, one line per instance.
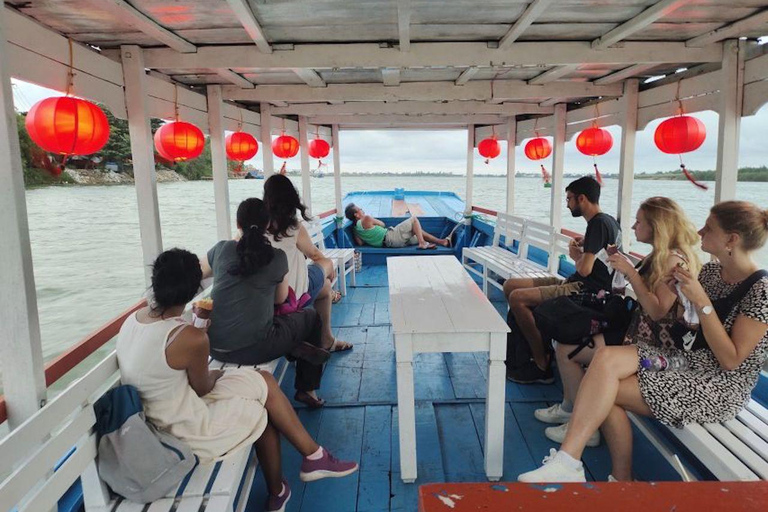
[87, 252]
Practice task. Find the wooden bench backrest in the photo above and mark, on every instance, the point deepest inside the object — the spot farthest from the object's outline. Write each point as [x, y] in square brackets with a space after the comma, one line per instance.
[537, 234]
[560, 244]
[508, 226]
[315, 230]
[29, 453]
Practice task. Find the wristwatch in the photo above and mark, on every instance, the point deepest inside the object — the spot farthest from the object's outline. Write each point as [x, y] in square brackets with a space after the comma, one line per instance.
[706, 310]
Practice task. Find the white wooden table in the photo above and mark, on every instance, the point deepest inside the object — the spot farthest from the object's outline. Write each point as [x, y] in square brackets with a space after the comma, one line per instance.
[435, 306]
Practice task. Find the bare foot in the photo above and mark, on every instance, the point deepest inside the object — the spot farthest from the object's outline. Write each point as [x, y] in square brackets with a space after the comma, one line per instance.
[426, 246]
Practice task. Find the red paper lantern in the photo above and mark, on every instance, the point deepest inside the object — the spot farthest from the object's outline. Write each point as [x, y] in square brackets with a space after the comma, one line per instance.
[241, 146]
[179, 141]
[680, 134]
[594, 141]
[67, 126]
[538, 148]
[285, 146]
[318, 148]
[489, 148]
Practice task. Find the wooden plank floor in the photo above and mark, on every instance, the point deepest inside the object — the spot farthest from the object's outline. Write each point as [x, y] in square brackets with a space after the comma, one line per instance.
[359, 421]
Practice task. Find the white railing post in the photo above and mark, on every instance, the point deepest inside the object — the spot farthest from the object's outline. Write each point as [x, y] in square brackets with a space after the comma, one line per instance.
[729, 122]
[627, 160]
[266, 139]
[142, 153]
[21, 351]
[558, 162]
[336, 170]
[470, 168]
[219, 163]
[306, 192]
[511, 146]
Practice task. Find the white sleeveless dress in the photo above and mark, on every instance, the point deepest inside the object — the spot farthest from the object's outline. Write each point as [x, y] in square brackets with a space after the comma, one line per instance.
[214, 426]
[298, 276]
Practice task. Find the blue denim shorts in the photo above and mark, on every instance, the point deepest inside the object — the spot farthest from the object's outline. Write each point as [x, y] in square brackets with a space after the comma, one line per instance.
[316, 281]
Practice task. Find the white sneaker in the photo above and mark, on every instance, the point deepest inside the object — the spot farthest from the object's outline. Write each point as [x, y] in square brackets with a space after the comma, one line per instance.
[611, 479]
[553, 470]
[554, 414]
[557, 434]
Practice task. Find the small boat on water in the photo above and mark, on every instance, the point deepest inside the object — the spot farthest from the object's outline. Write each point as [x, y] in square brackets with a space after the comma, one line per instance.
[506, 72]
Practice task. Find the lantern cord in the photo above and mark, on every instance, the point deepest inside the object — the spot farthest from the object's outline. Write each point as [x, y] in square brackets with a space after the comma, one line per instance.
[598, 176]
[71, 70]
[690, 177]
[176, 102]
[597, 115]
[677, 97]
[240, 124]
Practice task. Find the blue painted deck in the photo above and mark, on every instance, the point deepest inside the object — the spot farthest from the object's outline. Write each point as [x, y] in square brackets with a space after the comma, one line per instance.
[359, 421]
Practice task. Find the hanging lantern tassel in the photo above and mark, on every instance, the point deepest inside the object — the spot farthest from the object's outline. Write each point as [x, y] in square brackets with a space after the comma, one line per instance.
[545, 175]
[598, 176]
[691, 178]
[284, 168]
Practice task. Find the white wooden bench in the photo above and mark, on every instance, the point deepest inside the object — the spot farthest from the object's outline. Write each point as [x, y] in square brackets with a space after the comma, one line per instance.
[63, 428]
[732, 450]
[344, 258]
[498, 260]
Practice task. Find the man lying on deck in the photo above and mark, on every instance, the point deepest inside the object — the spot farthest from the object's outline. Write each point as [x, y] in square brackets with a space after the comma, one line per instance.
[369, 230]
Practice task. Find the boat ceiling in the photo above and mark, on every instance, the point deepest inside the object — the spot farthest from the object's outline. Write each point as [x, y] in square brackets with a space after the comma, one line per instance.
[206, 34]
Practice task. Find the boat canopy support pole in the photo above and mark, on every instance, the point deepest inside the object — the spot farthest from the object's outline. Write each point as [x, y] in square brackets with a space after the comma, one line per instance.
[729, 123]
[511, 146]
[558, 162]
[337, 174]
[266, 139]
[306, 192]
[219, 162]
[21, 351]
[627, 159]
[136, 103]
[470, 167]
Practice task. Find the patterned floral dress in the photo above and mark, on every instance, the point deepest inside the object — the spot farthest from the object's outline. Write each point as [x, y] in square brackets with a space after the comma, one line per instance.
[705, 392]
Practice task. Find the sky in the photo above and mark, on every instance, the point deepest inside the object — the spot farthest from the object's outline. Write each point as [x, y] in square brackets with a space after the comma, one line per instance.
[445, 151]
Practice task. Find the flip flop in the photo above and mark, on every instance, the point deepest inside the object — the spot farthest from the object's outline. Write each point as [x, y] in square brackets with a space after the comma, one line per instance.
[344, 346]
[429, 246]
[336, 297]
[308, 400]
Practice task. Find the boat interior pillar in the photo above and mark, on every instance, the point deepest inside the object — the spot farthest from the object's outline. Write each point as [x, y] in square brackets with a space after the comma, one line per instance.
[627, 159]
[306, 192]
[470, 168]
[729, 123]
[21, 351]
[558, 162]
[511, 146]
[142, 154]
[266, 139]
[337, 171]
[219, 163]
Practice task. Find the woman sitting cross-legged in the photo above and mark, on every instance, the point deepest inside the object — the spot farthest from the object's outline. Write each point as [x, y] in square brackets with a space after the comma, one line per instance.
[663, 224]
[249, 279]
[285, 232]
[720, 375]
[215, 412]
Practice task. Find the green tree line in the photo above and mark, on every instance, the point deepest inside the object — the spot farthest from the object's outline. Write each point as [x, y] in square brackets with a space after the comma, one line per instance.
[745, 174]
[117, 150]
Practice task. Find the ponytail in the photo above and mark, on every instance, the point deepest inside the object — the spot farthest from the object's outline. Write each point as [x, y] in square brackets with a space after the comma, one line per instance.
[253, 249]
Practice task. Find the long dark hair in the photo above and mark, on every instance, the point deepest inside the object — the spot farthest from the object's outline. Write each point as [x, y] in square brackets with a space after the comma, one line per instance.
[282, 201]
[253, 248]
[176, 276]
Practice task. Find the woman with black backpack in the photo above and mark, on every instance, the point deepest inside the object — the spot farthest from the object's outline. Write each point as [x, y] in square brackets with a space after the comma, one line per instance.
[661, 223]
[720, 370]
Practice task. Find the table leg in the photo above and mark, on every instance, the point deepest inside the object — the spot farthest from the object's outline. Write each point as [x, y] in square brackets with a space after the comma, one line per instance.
[341, 276]
[406, 409]
[495, 408]
[485, 279]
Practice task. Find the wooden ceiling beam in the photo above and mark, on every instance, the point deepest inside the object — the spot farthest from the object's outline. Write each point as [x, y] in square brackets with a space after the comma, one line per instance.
[534, 10]
[735, 29]
[411, 107]
[233, 78]
[311, 77]
[553, 74]
[620, 75]
[147, 25]
[466, 75]
[404, 24]
[639, 22]
[251, 25]
[390, 76]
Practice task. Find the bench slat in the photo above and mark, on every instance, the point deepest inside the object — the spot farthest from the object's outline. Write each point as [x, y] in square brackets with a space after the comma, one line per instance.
[758, 410]
[162, 505]
[230, 472]
[721, 462]
[190, 504]
[739, 449]
[23, 439]
[129, 506]
[45, 458]
[49, 493]
[754, 423]
[748, 437]
[198, 482]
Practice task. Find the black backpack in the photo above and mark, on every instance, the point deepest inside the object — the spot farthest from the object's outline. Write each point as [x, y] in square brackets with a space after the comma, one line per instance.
[518, 351]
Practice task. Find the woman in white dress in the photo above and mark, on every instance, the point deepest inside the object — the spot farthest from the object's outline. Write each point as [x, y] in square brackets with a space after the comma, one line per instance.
[215, 412]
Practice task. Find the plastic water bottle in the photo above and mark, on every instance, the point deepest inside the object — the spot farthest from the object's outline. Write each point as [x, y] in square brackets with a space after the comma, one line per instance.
[663, 363]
